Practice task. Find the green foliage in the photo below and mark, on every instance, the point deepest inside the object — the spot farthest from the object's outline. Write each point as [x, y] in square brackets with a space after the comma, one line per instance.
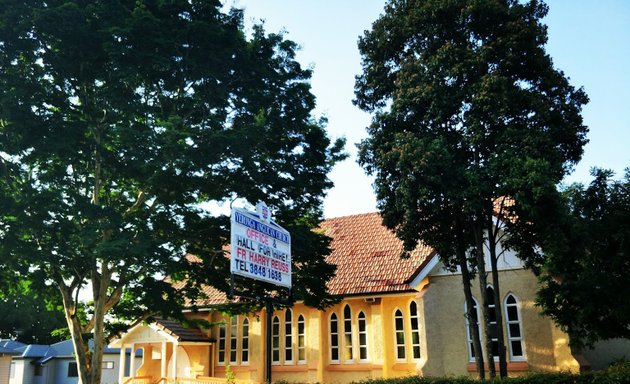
[117, 120]
[467, 109]
[585, 276]
[28, 317]
[230, 378]
[616, 374]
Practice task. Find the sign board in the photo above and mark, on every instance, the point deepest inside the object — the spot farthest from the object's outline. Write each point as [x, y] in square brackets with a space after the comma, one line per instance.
[260, 248]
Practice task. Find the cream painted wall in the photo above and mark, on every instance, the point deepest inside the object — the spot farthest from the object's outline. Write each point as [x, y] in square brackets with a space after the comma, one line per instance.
[443, 346]
[546, 347]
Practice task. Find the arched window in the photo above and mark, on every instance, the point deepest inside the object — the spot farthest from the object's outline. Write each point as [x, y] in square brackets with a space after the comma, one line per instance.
[233, 338]
[492, 314]
[221, 354]
[301, 339]
[275, 340]
[245, 342]
[399, 323]
[475, 320]
[288, 336]
[415, 329]
[363, 349]
[514, 328]
[347, 333]
[334, 338]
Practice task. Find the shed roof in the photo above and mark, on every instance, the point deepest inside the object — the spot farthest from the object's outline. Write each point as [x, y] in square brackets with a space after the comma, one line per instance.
[180, 332]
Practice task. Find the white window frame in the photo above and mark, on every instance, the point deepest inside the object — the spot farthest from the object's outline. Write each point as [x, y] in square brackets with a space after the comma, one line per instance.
[245, 342]
[399, 314]
[301, 339]
[469, 340]
[222, 344]
[334, 346]
[233, 350]
[363, 336]
[288, 336]
[348, 340]
[275, 341]
[491, 309]
[414, 327]
[518, 322]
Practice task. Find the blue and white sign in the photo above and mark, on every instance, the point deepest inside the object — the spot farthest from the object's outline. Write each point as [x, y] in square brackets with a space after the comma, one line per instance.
[260, 248]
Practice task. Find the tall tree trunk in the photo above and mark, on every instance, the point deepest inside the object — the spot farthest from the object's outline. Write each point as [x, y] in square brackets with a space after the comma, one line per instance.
[498, 306]
[81, 348]
[100, 283]
[471, 315]
[483, 282]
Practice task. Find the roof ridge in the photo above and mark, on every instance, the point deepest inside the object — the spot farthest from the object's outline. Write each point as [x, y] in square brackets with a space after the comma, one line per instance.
[352, 216]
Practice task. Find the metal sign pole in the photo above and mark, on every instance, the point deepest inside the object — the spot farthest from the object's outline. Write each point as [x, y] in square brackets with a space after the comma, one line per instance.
[260, 249]
[269, 310]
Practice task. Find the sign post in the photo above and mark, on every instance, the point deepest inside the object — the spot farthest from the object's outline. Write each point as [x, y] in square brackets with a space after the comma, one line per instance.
[260, 250]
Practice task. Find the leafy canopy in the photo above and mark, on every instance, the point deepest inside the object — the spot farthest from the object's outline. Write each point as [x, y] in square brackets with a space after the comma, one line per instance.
[585, 275]
[468, 107]
[118, 119]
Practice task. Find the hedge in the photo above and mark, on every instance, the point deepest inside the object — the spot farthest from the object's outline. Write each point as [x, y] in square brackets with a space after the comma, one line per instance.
[615, 374]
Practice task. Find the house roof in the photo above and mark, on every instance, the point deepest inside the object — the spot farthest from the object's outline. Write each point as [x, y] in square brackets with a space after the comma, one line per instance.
[11, 345]
[180, 332]
[41, 353]
[367, 256]
[7, 351]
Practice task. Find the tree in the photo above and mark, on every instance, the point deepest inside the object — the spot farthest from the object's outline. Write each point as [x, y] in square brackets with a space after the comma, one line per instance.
[585, 274]
[25, 316]
[468, 109]
[117, 120]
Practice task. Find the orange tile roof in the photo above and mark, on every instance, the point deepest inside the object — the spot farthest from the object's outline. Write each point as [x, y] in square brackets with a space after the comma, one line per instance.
[367, 256]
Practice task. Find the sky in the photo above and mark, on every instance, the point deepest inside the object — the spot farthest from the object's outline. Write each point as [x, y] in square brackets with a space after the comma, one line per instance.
[588, 40]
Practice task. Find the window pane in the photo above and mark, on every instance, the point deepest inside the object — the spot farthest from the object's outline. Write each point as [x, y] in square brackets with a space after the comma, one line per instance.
[495, 348]
[301, 339]
[515, 330]
[493, 330]
[490, 296]
[492, 314]
[72, 370]
[221, 355]
[401, 352]
[245, 342]
[416, 352]
[302, 354]
[413, 308]
[512, 313]
[517, 348]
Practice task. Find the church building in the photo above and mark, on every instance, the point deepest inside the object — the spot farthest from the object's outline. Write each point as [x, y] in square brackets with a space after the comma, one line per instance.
[396, 317]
